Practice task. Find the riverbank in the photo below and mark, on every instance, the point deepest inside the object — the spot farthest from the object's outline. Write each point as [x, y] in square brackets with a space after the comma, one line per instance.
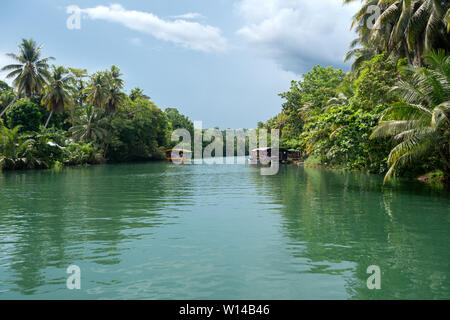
[434, 179]
[371, 118]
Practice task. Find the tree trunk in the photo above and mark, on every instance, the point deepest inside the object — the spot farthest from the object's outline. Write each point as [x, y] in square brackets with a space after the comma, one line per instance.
[408, 56]
[418, 52]
[48, 120]
[9, 106]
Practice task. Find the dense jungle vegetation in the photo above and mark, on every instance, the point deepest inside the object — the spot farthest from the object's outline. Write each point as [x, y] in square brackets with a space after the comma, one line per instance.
[55, 116]
[391, 113]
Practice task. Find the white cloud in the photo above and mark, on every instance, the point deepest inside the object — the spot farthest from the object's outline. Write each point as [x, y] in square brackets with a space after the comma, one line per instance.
[188, 34]
[187, 16]
[298, 33]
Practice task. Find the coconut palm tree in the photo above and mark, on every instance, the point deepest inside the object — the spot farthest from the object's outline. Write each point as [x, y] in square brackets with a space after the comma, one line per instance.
[115, 75]
[114, 97]
[405, 28]
[96, 90]
[420, 124]
[365, 47]
[78, 86]
[359, 54]
[90, 126]
[105, 90]
[57, 92]
[413, 26]
[29, 73]
[430, 25]
[138, 93]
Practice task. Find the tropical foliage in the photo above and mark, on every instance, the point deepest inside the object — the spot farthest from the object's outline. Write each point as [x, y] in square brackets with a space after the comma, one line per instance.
[57, 92]
[57, 116]
[30, 72]
[404, 28]
[179, 121]
[420, 122]
[390, 114]
[91, 125]
[139, 131]
[25, 114]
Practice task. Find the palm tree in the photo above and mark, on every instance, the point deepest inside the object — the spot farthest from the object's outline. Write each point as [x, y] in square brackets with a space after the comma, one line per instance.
[362, 48]
[429, 25]
[105, 90]
[90, 126]
[57, 92]
[78, 86]
[115, 75]
[405, 28]
[96, 90]
[359, 54]
[420, 124]
[138, 93]
[114, 99]
[30, 73]
[114, 96]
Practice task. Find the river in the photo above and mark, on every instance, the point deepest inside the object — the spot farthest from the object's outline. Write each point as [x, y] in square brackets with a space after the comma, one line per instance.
[161, 231]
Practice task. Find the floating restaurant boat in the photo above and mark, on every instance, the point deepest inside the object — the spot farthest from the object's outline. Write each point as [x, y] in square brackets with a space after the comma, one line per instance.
[267, 155]
[178, 156]
[295, 155]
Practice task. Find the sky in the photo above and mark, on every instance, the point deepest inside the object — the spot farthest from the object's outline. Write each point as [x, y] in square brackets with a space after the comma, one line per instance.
[222, 62]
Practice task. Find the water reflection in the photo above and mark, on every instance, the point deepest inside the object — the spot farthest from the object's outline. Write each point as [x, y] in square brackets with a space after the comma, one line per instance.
[51, 219]
[343, 222]
[162, 231]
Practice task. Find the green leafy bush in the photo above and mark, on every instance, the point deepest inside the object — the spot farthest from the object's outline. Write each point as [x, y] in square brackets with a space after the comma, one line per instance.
[340, 138]
[21, 151]
[373, 85]
[82, 153]
[26, 114]
[138, 130]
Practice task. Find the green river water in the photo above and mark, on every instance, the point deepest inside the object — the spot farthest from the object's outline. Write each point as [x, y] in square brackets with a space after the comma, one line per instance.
[161, 231]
